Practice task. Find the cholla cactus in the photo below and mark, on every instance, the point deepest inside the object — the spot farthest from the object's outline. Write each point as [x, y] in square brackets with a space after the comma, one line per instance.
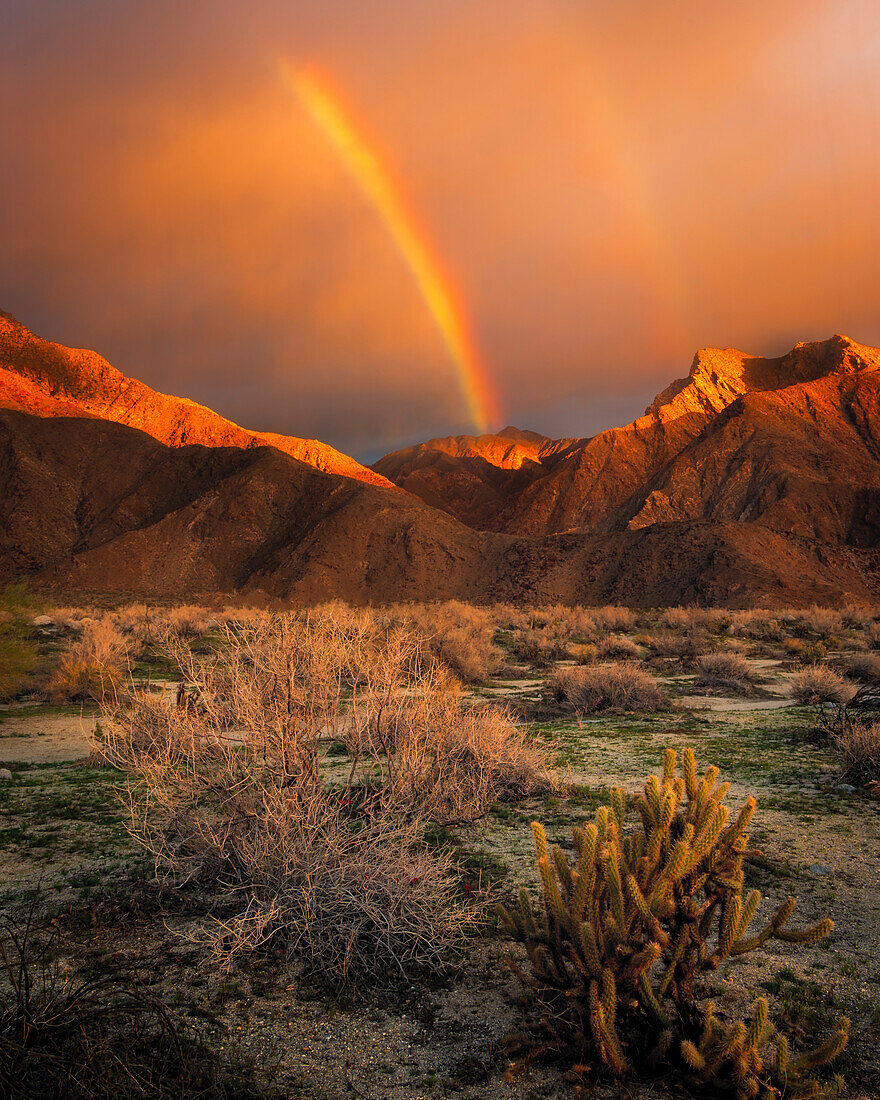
[626, 931]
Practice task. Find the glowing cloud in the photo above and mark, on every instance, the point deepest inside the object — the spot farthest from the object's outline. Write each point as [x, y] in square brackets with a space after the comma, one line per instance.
[377, 184]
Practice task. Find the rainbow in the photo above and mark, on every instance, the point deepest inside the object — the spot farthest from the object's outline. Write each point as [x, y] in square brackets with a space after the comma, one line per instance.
[376, 182]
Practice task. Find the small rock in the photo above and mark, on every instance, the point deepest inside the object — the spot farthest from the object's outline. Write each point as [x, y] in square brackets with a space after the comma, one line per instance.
[43, 620]
[846, 788]
[5, 773]
[820, 869]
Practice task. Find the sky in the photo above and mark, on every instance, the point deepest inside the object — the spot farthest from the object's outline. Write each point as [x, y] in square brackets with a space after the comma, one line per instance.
[603, 186]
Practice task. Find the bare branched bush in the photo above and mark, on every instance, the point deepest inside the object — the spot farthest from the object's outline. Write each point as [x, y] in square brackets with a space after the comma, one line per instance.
[617, 647]
[859, 745]
[616, 687]
[727, 670]
[228, 788]
[92, 665]
[349, 900]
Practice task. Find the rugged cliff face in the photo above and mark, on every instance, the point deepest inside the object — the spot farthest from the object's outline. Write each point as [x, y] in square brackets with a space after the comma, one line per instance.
[47, 379]
[751, 479]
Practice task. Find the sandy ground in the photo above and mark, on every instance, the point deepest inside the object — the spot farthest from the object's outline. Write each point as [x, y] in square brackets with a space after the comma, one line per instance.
[43, 738]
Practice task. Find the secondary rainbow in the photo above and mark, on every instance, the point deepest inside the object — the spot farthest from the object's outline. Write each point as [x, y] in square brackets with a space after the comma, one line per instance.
[377, 183]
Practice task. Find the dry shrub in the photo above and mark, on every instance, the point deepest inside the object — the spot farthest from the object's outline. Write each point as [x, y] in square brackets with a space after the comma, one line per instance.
[93, 664]
[435, 755]
[818, 685]
[825, 621]
[617, 687]
[866, 668]
[696, 619]
[762, 626]
[873, 635]
[614, 618]
[859, 745]
[349, 900]
[617, 647]
[584, 653]
[567, 622]
[680, 647]
[460, 635]
[541, 646]
[450, 762]
[858, 616]
[228, 789]
[189, 621]
[728, 670]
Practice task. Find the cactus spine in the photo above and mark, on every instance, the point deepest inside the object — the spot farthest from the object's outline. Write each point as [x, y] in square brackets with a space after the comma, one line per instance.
[629, 928]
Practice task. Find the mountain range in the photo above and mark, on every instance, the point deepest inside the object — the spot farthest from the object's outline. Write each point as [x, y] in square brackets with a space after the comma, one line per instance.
[750, 480]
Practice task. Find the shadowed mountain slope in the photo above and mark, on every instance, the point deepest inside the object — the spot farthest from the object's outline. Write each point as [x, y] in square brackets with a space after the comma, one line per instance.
[38, 376]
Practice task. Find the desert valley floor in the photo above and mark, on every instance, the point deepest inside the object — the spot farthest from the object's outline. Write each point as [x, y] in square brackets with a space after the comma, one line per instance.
[464, 1031]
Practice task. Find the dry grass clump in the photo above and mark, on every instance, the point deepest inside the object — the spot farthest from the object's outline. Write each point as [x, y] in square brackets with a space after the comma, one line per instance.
[614, 687]
[93, 664]
[859, 745]
[617, 647]
[872, 633]
[818, 685]
[727, 670]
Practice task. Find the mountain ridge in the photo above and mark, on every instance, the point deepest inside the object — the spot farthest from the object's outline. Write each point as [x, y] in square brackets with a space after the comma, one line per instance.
[47, 378]
[748, 480]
